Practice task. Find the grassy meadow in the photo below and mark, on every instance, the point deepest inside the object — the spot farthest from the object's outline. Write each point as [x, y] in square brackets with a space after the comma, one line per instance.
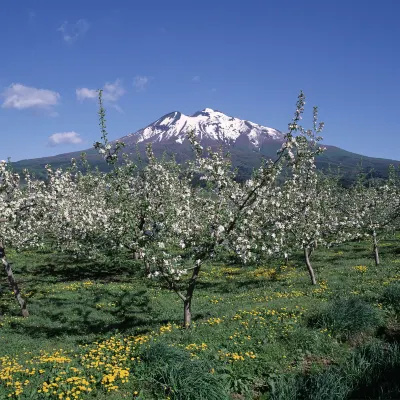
[260, 332]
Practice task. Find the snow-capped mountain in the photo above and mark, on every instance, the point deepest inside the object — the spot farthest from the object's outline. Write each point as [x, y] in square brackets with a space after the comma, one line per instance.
[209, 125]
[248, 144]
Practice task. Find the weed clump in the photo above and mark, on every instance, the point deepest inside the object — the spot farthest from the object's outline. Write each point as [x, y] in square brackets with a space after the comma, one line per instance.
[371, 372]
[171, 372]
[347, 317]
[391, 297]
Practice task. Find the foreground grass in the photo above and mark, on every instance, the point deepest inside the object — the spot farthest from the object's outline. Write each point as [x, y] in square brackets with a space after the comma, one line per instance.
[101, 332]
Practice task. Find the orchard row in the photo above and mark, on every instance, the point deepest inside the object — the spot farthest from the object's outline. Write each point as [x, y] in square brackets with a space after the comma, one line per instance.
[153, 209]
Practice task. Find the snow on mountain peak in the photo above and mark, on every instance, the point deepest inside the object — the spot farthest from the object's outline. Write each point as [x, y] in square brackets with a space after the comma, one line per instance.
[208, 124]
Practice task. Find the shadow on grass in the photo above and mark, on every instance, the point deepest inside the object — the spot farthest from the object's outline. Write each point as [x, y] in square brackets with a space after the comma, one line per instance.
[391, 334]
[385, 386]
[88, 312]
[227, 286]
[61, 269]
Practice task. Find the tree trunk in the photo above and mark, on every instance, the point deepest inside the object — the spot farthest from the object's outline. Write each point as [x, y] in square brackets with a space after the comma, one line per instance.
[187, 303]
[12, 282]
[307, 253]
[147, 267]
[376, 249]
[187, 313]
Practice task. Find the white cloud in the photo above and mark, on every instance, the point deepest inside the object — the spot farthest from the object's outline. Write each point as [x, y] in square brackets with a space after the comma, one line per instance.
[111, 93]
[85, 93]
[71, 32]
[21, 97]
[140, 82]
[196, 79]
[64, 138]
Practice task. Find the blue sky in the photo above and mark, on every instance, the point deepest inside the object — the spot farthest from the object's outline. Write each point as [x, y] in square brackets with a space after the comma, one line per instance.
[248, 59]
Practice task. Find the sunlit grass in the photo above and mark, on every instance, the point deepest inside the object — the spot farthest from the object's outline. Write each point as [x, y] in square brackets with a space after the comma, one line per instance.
[91, 325]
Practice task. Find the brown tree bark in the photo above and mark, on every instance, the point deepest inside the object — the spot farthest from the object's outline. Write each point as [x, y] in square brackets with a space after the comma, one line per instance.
[187, 313]
[187, 303]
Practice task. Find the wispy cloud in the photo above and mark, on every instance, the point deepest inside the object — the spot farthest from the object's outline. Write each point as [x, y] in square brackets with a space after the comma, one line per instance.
[64, 138]
[213, 90]
[140, 82]
[31, 15]
[71, 32]
[196, 79]
[85, 93]
[112, 92]
[21, 97]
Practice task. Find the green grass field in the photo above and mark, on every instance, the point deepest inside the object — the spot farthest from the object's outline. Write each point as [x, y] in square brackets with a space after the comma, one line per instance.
[260, 332]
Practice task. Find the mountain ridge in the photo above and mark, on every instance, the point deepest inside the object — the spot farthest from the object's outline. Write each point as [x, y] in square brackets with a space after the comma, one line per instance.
[208, 124]
[247, 142]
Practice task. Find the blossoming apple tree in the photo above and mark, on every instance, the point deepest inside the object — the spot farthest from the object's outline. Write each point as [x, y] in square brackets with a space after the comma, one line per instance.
[182, 225]
[376, 208]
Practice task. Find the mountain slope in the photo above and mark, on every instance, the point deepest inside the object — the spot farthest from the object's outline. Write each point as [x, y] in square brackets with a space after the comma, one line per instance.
[209, 125]
[246, 141]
